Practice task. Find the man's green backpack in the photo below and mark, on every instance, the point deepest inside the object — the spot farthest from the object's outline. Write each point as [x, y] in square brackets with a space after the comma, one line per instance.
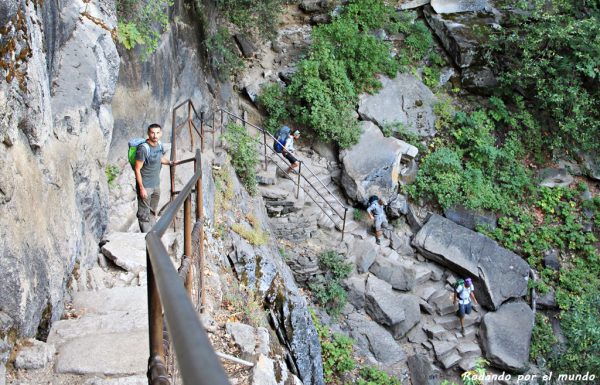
[457, 284]
[133, 146]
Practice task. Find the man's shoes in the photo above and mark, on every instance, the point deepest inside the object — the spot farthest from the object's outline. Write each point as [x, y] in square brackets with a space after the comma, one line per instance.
[378, 241]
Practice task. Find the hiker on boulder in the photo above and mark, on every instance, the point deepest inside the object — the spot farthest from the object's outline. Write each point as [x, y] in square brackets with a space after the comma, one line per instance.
[464, 291]
[149, 158]
[288, 151]
[377, 214]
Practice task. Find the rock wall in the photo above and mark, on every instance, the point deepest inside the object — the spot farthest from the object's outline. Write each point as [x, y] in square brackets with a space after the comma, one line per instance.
[59, 68]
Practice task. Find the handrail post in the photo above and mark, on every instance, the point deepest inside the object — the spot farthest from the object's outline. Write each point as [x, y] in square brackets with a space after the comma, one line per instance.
[214, 131]
[299, 174]
[187, 240]
[155, 320]
[173, 154]
[200, 218]
[222, 123]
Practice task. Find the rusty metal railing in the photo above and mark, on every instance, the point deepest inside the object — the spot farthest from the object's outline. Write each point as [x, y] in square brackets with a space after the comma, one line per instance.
[314, 183]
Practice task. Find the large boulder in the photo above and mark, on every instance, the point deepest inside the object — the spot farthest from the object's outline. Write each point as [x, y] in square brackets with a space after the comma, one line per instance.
[373, 337]
[396, 274]
[499, 273]
[460, 34]
[404, 100]
[399, 312]
[470, 218]
[55, 127]
[369, 173]
[506, 334]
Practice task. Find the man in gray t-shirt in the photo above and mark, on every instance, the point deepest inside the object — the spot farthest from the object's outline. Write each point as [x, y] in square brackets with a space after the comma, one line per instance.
[148, 160]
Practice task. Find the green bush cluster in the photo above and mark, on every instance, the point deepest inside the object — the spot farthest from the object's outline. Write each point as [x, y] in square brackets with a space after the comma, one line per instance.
[542, 338]
[142, 23]
[244, 155]
[551, 54]
[111, 171]
[223, 53]
[473, 169]
[253, 16]
[339, 362]
[343, 61]
[327, 286]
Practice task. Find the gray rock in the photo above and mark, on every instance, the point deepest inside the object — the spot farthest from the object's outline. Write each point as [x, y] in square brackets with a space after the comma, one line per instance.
[34, 354]
[264, 372]
[479, 80]
[243, 335]
[397, 207]
[551, 259]
[263, 341]
[380, 342]
[399, 276]
[591, 163]
[547, 301]
[410, 4]
[311, 6]
[457, 6]
[421, 370]
[403, 100]
[2, 373]
[555, 177]
[248, 49]
[382, 304]
[434, 331]
[505, 345]
[498, 273]
[356, 287]
[470, 218]
[458, 34]
[367, 173]
[363, 254]
[126, 250]
[450, 360]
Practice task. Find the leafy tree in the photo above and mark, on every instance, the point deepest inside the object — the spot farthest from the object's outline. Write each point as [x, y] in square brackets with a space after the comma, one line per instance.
[142, 23]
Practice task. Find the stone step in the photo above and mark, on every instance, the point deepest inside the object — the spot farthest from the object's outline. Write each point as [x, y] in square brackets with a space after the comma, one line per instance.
[105, 301]
[452, 322]
[423, 274]
[450, 360]
[111, 354]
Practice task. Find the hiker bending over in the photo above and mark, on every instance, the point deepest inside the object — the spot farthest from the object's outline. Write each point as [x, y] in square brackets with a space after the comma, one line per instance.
[465, 293]
[149, 158]
[288, 150]
[376, 213]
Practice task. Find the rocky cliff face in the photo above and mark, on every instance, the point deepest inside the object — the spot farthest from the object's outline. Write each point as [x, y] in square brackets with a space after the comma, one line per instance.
[59, 68]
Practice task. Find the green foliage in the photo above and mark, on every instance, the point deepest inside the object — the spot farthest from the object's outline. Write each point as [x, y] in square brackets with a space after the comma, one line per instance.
[582, 327]
[254, 234]
[552, 52]
[471, 377]
[336, 352]
[272, 99]
[542, 339]
[418, 39]
[373, 376]
[111, 171]
[327, 286]
[358, 215]
[244, 155]
[142, 23]
[253, 16]
[223, 53]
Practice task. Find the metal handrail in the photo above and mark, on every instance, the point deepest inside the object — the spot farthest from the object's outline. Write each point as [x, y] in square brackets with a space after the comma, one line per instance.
[265, 133]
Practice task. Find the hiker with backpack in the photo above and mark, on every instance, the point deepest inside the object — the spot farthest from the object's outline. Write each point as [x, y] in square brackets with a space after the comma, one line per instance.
[377, 214]
[284, 144]
[149, 158]
[464, 291]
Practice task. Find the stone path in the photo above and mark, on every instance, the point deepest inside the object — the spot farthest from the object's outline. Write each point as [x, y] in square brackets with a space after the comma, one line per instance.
[436, 339]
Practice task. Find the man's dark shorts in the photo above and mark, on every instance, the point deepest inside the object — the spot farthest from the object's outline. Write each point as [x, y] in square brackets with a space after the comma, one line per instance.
[291, 158]
[464, 309]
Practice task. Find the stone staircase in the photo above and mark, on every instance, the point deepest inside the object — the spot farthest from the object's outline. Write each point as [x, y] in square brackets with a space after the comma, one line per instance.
[103, 336]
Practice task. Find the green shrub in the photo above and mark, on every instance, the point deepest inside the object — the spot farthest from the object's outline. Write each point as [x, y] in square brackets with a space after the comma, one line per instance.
[553, 52]
[253, 16]
[244, 155]
[373, 376]
[542, 338]
[223, 53]
[273, 99]
[336, 352]
[327, 286]
[111, 171]
[142, 23]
